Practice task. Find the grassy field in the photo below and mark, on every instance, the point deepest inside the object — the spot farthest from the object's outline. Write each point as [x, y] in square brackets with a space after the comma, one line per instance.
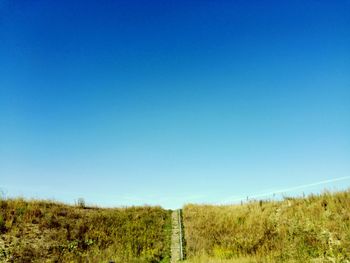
[312, 229]
[42, 231]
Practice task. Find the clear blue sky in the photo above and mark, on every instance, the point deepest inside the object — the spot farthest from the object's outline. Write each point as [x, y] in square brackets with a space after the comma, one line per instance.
[168, 102]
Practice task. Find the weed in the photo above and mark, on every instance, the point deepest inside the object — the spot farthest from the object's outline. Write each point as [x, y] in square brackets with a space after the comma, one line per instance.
[81, 203]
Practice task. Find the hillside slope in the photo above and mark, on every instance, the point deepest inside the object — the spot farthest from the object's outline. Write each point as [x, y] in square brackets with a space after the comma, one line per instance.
[296, 229]
[41, 231]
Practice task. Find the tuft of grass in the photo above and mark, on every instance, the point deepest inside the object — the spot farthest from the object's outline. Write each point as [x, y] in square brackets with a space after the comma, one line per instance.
[46, 231]
[209, 259]
[293, 230]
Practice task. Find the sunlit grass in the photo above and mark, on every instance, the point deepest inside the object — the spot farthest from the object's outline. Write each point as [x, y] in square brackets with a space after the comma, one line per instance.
[297, 229]
[36, 231]
[312, 229]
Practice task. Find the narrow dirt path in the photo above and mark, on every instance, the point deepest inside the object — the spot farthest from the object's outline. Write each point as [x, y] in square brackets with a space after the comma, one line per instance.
[176, 237]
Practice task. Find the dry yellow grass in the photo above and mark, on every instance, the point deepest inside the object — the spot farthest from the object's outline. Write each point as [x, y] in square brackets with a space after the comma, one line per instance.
[312, 229]
[43, 231]
[208, 259]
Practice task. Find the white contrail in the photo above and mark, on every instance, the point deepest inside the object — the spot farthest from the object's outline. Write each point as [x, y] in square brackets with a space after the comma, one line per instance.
[288, 189]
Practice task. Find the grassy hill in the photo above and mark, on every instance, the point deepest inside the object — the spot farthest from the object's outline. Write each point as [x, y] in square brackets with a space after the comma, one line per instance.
[42, 231]
[312, 229]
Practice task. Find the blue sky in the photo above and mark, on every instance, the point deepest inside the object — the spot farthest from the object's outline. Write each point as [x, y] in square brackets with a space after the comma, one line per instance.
[170, 102]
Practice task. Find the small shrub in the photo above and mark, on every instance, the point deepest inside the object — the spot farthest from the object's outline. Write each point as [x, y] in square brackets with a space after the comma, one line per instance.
[81, 203]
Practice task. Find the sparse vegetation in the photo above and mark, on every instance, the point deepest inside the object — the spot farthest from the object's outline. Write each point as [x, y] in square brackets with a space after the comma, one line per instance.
[43, 231]
[316, 228]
